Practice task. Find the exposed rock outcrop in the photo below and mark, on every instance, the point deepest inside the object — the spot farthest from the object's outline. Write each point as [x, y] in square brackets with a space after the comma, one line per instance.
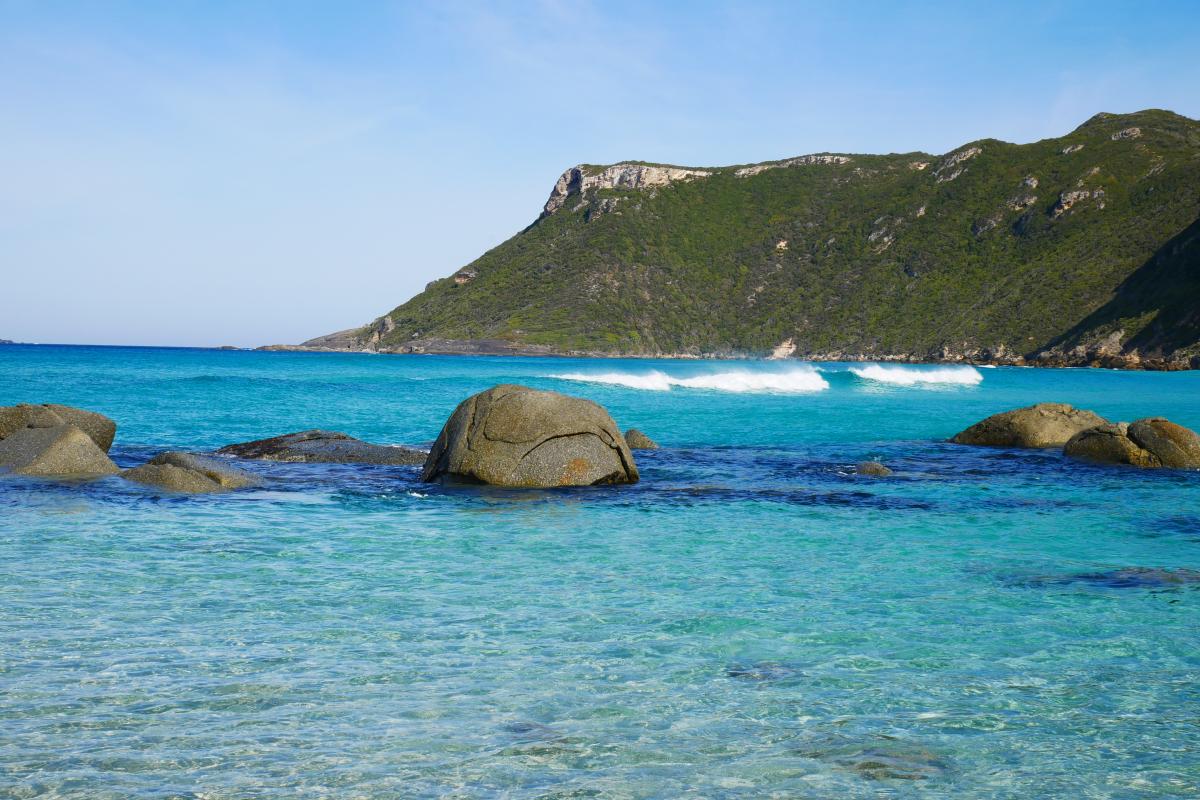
[328, 447]
[951, 166]
[872, 468]
[62, 451]
[1036, 426]
[380, 328]
[1067, 200]
[1152, 442]
[190, 473]
[783, 350]
[1021, 202]
[581, 180]
[815, 158]
[519, 437]
[639, 441]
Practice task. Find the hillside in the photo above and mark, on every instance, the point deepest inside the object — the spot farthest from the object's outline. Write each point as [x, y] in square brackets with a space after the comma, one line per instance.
[1079, 249]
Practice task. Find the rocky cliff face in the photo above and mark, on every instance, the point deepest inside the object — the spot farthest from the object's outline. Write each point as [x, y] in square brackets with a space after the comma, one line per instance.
[1078, 250]
[581, 181]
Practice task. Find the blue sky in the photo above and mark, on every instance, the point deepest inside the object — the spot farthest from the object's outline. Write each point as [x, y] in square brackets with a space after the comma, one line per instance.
[208, 173]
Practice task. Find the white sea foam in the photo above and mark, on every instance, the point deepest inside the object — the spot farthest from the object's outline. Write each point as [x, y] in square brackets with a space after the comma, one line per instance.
[800, 379]
[912, 376]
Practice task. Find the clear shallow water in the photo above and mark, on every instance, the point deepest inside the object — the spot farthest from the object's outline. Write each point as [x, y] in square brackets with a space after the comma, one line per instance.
[750, 620]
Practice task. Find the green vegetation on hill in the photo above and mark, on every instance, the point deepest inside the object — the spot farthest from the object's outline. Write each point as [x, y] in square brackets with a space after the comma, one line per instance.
[1014, 249]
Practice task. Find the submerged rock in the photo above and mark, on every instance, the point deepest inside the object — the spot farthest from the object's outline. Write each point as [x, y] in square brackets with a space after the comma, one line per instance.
[639, 441]
[1036, 426]
[878, 758]
[98, 427]
[519, 437]
[763, 672]
[872, 468]
[59, 451]
[189, 473]
[328, 447]
[1151, 442]
[526, 731]
[1123, 578]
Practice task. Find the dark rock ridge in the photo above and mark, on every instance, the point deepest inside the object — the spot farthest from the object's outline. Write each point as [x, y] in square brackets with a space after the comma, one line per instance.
[992, 253]
[872, 469]
[1036, 426]
[189, 473]
[328, 447]
[1152, 442]
[520, 437]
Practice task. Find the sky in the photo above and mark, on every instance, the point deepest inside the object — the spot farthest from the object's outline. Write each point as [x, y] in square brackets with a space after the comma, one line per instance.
[247, 173]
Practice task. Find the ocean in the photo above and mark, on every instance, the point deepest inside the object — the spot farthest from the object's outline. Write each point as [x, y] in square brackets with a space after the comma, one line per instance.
[752, 619]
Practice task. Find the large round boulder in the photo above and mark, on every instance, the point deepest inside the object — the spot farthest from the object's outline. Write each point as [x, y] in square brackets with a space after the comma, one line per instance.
[1041, 425]
[98, 427]
[1174, 445]
[328, 447]
[1108, 444]
[60, 451]
[1150, 442]
[189, 473]
[515, 436]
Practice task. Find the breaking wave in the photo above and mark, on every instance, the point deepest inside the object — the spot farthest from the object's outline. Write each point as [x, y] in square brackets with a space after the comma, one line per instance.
[912, 376]
[797, 380]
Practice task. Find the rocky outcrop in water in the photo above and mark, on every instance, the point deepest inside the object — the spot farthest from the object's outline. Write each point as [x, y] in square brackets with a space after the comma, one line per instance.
[61, 451]
[328, 447]
[188, 473]
[1036, 426]
[1152, 442]
[639, 441]
[520, 437]
[872, 469]
[55, 440]
[100, 428]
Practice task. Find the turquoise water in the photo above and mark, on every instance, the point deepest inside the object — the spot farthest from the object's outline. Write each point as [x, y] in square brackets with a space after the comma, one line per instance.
[750, 620]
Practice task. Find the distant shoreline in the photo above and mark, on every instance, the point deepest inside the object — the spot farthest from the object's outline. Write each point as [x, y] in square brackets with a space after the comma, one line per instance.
[1125, 362]
[1135, 362]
